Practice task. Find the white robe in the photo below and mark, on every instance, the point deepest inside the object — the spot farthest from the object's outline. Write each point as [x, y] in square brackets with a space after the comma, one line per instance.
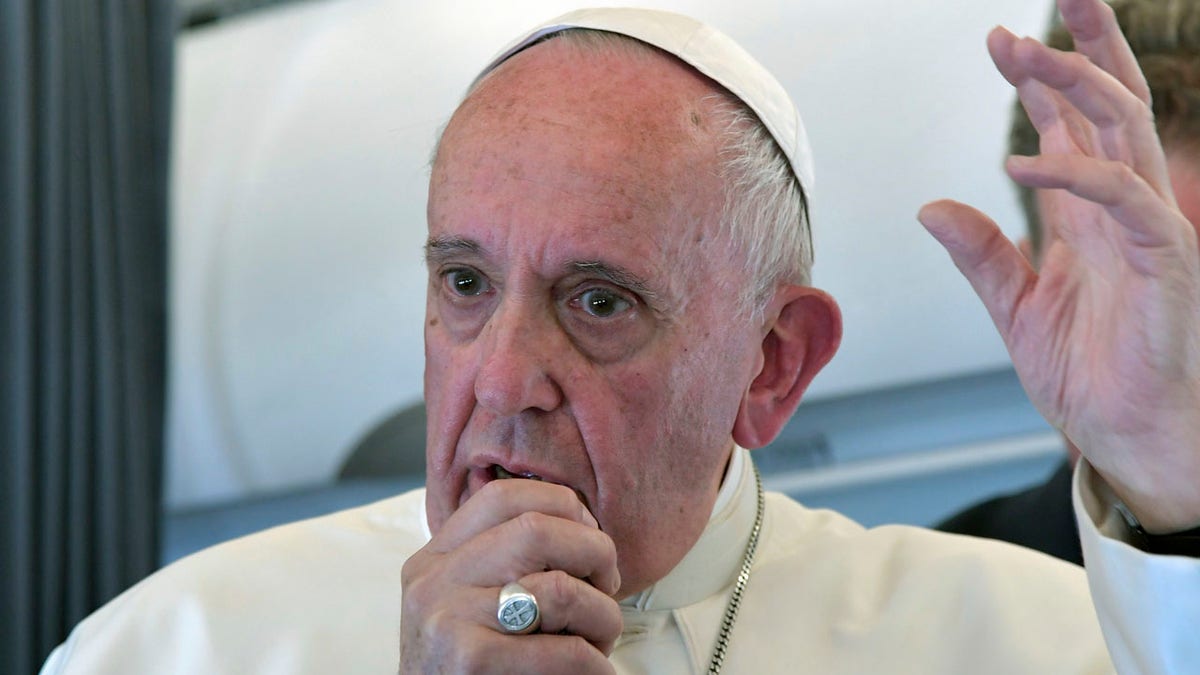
[824, 596]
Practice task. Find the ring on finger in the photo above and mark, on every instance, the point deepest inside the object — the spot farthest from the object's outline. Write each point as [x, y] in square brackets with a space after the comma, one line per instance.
[517, 610]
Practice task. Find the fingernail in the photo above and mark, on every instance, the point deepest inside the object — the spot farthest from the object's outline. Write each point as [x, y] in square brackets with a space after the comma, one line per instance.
[1019, 161]
[589, 517]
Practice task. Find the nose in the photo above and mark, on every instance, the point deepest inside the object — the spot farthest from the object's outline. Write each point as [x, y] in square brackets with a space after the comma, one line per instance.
[518, 350]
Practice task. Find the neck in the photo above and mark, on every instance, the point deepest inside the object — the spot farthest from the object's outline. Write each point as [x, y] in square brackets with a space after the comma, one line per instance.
[713, 561]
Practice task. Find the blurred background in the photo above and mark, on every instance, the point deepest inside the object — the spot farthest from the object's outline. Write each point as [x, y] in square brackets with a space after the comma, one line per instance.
[276, 169]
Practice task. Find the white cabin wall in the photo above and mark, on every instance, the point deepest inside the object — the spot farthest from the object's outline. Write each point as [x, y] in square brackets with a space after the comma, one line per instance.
[301, 140]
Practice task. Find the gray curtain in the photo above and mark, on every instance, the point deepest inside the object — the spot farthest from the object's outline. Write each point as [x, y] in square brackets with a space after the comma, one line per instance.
[84, 125]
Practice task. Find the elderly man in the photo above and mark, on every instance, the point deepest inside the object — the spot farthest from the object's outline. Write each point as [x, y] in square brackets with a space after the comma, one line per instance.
[618, 303]
[1165, 39]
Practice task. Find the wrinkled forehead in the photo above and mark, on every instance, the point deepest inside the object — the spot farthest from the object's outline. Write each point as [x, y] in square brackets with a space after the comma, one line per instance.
[639, 130]
[566, 156]
[707, 51]
[599, 92]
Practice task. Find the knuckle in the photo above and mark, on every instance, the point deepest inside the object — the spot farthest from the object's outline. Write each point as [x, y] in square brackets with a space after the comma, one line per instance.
[532, 526]
[418, 604]
[562, 587]
[1075, 60]
[1125, 176]
[443, 642]
[412, 571]
[423, 591]
[432, 634]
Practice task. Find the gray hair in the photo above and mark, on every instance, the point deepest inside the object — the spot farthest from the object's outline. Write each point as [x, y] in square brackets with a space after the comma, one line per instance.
[765, 213]
[766, 210]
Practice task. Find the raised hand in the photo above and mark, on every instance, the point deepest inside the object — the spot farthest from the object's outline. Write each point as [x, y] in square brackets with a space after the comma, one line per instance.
[537, 534]
[1105, 334]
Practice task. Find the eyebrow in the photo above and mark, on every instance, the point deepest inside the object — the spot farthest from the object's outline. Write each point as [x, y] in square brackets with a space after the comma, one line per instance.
[440, 249]
[616, 275]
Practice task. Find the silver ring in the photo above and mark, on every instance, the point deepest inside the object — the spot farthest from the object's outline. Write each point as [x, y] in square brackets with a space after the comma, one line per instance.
[518, 610]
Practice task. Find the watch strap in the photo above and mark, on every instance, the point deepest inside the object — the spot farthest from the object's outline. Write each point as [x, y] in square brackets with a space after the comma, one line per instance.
[1186, 543]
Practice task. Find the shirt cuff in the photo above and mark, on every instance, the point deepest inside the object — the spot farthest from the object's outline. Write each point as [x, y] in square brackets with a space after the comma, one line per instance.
[1146, 603]
[1096, 506]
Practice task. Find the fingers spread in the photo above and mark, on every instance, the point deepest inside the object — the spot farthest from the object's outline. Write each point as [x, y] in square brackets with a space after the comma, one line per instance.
[1000, 44]
[1090, 105]
[1096, 93]
[1098, 37]
[1060, 128]
[1146, 221]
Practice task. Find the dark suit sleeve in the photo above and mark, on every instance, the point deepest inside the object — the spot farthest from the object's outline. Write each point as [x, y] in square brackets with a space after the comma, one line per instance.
[1041, 518]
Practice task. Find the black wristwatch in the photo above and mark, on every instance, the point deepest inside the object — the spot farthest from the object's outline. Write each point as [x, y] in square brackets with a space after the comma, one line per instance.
[1186, 543]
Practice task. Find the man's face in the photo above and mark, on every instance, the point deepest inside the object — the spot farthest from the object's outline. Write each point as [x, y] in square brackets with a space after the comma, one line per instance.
[581, 323]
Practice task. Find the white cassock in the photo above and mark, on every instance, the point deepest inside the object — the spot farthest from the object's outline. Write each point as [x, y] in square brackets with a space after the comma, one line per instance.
[824, 596]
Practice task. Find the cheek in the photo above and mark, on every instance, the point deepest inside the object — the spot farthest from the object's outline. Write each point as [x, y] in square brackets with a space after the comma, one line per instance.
[436, 370]
[449, 397]
[664, 473]
[449, 390]
[680, 410]
[707, 386]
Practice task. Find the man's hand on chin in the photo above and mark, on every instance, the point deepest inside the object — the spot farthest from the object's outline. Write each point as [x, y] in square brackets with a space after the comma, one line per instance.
[537, 534]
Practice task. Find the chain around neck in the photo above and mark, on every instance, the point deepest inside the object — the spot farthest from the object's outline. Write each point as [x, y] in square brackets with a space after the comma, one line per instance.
[739, 587]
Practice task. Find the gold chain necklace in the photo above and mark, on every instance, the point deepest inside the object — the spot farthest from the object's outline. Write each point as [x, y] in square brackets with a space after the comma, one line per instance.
[739, 587]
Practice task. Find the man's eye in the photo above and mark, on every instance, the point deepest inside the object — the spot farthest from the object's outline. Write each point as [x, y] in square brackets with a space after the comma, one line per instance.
[603, 303]
[466, 282]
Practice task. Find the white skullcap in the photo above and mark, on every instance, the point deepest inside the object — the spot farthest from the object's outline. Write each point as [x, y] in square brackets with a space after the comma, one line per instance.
[707, 50]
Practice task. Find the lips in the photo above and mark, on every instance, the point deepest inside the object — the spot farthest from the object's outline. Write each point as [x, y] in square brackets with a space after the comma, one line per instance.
[501, 473]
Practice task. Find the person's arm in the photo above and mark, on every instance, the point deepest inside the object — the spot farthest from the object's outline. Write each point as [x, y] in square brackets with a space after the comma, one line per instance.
[1105, 335]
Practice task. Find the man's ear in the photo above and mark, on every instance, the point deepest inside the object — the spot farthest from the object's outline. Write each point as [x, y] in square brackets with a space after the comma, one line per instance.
[804, 329]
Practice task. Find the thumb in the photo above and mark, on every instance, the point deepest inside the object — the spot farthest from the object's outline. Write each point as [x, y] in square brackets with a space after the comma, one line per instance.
[995, 268]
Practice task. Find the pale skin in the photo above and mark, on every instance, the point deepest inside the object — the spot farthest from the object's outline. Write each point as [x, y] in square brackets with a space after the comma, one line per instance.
[581, 302]
[1104, 335]
[580, 299]
[1184, 170]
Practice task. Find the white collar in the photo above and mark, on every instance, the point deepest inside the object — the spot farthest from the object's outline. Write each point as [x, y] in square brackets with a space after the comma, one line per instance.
[715, 558]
